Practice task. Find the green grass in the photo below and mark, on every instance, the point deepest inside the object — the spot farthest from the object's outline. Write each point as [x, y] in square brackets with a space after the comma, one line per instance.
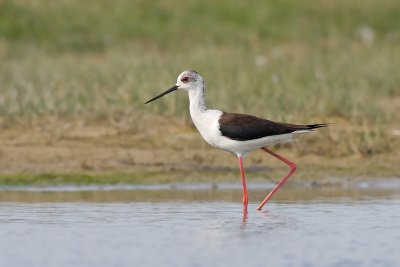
[47, 179]
[298, 82]
[297, 61]
[87, 25]
[323, 174]
[148, 177]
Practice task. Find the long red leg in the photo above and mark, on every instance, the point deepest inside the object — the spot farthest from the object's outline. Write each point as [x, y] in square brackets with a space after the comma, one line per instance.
[245, 197]
[293, 168]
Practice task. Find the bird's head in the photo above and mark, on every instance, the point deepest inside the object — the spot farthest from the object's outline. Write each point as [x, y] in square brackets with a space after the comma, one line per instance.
[187, 80]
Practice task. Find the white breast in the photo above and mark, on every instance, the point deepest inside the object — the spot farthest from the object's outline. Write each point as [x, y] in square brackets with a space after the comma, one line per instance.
[206, 123]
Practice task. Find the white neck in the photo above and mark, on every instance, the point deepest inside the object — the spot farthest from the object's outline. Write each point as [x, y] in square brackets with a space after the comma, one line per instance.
[196, 98]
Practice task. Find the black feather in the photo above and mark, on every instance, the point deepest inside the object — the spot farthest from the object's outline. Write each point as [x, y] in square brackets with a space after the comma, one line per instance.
[246, 127]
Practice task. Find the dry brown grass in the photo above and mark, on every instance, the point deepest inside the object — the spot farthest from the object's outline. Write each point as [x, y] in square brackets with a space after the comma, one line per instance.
[171, 152]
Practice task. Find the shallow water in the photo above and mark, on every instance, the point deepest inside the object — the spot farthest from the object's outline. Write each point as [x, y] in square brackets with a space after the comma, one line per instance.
[197, 226]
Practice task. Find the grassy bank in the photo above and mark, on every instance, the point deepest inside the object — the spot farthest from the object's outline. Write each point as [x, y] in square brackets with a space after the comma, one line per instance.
[96, 62]
[326, 59]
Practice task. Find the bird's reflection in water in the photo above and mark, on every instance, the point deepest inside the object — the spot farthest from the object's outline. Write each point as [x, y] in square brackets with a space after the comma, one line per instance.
[265, 214]
[245, 215]
[267, 220]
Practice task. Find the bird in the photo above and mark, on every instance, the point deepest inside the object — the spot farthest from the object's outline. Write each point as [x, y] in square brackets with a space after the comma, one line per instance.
[236, 133]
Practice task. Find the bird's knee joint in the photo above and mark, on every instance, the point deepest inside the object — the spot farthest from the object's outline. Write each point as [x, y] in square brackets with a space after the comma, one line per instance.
[293, 167]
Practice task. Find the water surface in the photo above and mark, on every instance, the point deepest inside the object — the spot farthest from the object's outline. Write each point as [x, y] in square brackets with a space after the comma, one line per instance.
[199, 227]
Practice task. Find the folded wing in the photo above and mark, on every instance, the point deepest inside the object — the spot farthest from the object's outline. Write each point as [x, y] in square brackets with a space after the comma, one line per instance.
[243, 127]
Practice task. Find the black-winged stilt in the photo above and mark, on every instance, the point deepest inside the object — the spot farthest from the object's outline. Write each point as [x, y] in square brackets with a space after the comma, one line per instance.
[239, 134]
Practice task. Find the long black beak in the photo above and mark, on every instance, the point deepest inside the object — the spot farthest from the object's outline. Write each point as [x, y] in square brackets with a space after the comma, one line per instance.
[173, 88]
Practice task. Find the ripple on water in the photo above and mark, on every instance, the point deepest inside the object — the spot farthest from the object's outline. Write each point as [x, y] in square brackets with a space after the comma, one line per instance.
[336, 232]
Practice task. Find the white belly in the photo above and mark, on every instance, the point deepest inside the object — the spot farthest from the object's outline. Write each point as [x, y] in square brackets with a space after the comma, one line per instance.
[242, 148]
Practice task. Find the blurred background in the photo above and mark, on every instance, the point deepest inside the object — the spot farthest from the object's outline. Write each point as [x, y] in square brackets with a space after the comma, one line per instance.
[74, 76]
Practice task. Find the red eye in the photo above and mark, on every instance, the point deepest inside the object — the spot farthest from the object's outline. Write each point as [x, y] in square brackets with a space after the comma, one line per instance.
[185, 79]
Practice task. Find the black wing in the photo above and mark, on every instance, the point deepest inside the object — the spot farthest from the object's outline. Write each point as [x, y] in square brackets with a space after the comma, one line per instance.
[246, 127]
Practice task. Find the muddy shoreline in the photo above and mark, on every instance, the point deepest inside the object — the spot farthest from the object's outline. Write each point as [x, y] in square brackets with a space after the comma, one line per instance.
[75, 152]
